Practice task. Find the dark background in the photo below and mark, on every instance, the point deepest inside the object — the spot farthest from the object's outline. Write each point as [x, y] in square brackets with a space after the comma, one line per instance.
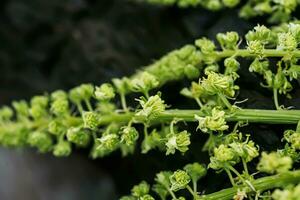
[58, 44]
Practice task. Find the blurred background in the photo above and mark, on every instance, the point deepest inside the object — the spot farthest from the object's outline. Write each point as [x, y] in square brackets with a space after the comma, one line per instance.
[58, 44]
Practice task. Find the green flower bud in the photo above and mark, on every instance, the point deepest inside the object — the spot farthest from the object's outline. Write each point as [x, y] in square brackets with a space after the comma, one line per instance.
[59, 94]
[274, 163]
[217, 83]
[197, 90]
[206, 46]
[256, 47]
[104, 92]
[127, 198]
[129, 135]
[60, 107]
[140, 189]
[248, 151]
[287, 42]
[195, 171]
[213, 5]
[21, 108]
[232, 65]
[228, 40]
[105, 107]
[187, 3]
[293, 137]
[37, 111]
[82, 92]
[109, 142]
[151, 108]
[40, 140]
[160, 190]
[147, 197]
[163, 178]
[231, 3]
[62, 149]
[41, 101]
[191, 71]
[179, 180]
[215, 122]
[14, 136]
[259, 66]
[224, 153]
[290, 193]
[122, 85]
[55, 127]
[90, 120]
[6, 113]
[152, 141]
[294, 29]
[261, 34]
[144, 82]
[179, 141]
[78, 136]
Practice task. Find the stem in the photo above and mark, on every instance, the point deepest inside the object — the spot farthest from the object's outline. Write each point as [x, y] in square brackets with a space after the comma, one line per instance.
[275, 96]
[230, 177]
[194, 186]
[191, 191]
[199, 102]
[266, 53]
[261, 184]
[245, 166]
[88, 105]
[225, 100]
[123, 102]
[246, 115]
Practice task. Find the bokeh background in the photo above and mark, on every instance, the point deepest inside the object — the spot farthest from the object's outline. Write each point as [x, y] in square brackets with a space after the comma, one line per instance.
[58, 44]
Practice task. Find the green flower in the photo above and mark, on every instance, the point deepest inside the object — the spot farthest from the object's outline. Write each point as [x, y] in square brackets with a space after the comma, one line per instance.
[55, 127]
[40, 140]
[82, 92]
[6, 113]
[259, 66]
[274, 163]
[260, 33]
[223, 155]
[109, 142]
[78, 136]
[59, 94]
[195, 171]
[247, 150]
[21, 107]
[140, 189]
[215, 122]
[256, 47]
[60, 107]
[90, 120]
[287, 42]
[179, 180]
[228, 40]
[290, 193]
[62, 149]
[206, 46]
[179, 141]
[144, 82]
[104, 92]
[147, 197]
[231, 3]
[129, 135]
[151, 108]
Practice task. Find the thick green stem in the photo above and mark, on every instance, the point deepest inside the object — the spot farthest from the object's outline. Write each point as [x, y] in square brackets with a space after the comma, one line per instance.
[261, 184]
[246, 115]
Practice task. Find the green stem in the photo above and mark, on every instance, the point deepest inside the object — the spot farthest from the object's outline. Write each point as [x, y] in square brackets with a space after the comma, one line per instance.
[230, 177]
[261, 184]
[123, 102]
[275, 97]
[225, 100]
[247, 53]
[246, 115]
[191, 191]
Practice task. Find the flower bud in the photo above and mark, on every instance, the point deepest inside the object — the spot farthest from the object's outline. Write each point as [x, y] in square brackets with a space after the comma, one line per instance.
[129, 136]
[259, 66]
[104, 92]
[21, 108]
[62, 149]
[191, 71]
[78, 136]
[40, 140]
[255, 47]
[6, 113]
[90, 120]
[179, 180]
[206, 46]
[228, 40]
[60, 107]
[179, 141]
[144, 82]
[195, 171]
[274, 163]
[109, 142]
[140, 189]
[231, 3]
